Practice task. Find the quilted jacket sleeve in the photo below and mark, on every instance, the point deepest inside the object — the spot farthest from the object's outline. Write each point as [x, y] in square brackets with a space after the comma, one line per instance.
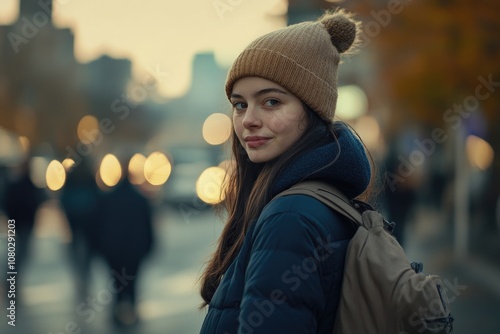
[283, 288]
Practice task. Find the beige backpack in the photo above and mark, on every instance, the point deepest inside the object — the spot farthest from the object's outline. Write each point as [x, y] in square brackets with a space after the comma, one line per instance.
[382, 292]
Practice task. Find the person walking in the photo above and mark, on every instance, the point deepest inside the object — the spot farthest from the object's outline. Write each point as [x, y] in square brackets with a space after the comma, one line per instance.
[278, 264]
[125, 239]
[21, 204]
[79, 200]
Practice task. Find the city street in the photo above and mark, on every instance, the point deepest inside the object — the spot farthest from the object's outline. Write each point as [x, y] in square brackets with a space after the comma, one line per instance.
[168, 290]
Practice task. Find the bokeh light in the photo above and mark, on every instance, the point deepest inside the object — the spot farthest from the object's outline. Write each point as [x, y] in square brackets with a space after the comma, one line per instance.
[68, 163]
[209, 185]
[369, 130]
[88, 129]
[38, 167]
[136, 169]
[157, 168]
[217, 129]
[55, 175]
[479, 152]
[351, 102]
[110, 170]
[25, 144]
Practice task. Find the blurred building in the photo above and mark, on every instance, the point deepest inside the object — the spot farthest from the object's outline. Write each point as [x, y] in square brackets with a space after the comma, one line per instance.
[205, 97]
[181, 134]
[305, 10]
[45, 92]
[39, 94]
[105, 79]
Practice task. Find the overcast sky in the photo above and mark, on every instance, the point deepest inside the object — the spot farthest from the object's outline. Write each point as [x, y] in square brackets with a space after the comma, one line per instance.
[164, 33]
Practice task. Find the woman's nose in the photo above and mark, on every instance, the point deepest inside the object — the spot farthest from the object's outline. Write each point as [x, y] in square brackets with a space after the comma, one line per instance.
[251, 118]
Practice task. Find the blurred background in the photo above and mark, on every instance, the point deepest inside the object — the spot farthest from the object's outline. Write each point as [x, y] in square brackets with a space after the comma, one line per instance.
[113, 145]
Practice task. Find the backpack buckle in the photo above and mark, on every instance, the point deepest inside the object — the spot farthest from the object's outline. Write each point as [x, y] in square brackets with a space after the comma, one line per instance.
[417, 266]
[361, 206]
[389, 226]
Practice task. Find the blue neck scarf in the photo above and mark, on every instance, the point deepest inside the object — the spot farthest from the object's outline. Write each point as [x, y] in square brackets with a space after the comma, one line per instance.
[341, 162]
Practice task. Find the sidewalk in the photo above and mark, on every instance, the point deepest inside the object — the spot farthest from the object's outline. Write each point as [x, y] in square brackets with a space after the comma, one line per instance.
[473, 286]
[168, 292]
[168, 296]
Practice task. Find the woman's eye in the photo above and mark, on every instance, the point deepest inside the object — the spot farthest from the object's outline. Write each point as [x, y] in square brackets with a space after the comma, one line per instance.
[239, 105]
[272, 103]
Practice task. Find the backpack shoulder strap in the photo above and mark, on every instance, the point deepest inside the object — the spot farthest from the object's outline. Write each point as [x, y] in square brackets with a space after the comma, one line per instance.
[327, 195]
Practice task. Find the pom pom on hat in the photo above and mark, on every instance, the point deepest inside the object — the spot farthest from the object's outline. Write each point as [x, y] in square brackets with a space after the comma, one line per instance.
[341, 28]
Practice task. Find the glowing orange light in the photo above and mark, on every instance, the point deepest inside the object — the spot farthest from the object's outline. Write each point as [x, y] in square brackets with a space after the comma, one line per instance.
[110, 170]
[38, 170]
[136, 169]
[68, 163]
[55, 175]
[157, 168]
[217, 129]
[369, 130]
[88, 129]
[479, 152]
[25, 143]
[209, 186]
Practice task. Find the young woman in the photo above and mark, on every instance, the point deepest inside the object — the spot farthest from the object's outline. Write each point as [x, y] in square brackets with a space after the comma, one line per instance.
[278, 265]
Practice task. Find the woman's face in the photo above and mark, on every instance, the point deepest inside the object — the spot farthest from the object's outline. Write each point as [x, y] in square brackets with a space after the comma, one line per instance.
[267, 118]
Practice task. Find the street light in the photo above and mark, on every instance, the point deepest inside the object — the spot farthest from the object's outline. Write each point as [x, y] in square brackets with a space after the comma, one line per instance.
[209, 186]
[157, 168]
[217, 129]
[136, 169]
[110, 170]
[55, 175]
[352, 102]
[88, 129]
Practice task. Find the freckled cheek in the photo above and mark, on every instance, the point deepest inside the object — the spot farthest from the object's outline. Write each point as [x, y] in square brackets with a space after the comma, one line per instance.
[278, 124]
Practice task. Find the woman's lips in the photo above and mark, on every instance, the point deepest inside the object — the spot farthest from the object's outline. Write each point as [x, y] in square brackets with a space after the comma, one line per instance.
[256, 141]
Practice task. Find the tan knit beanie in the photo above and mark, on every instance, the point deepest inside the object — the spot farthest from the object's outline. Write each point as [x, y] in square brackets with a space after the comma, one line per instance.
[303, 58]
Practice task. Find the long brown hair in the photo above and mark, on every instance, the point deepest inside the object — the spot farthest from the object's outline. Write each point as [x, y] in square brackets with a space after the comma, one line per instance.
[248, 190]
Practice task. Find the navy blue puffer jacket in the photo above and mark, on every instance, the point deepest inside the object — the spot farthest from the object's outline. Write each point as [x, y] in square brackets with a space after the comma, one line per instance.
[288, 273]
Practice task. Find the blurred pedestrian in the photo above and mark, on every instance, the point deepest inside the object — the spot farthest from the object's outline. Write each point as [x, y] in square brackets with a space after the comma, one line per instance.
[79, 199]
[403, 182]
[22, 200]
[124, 239]
[278, 265]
